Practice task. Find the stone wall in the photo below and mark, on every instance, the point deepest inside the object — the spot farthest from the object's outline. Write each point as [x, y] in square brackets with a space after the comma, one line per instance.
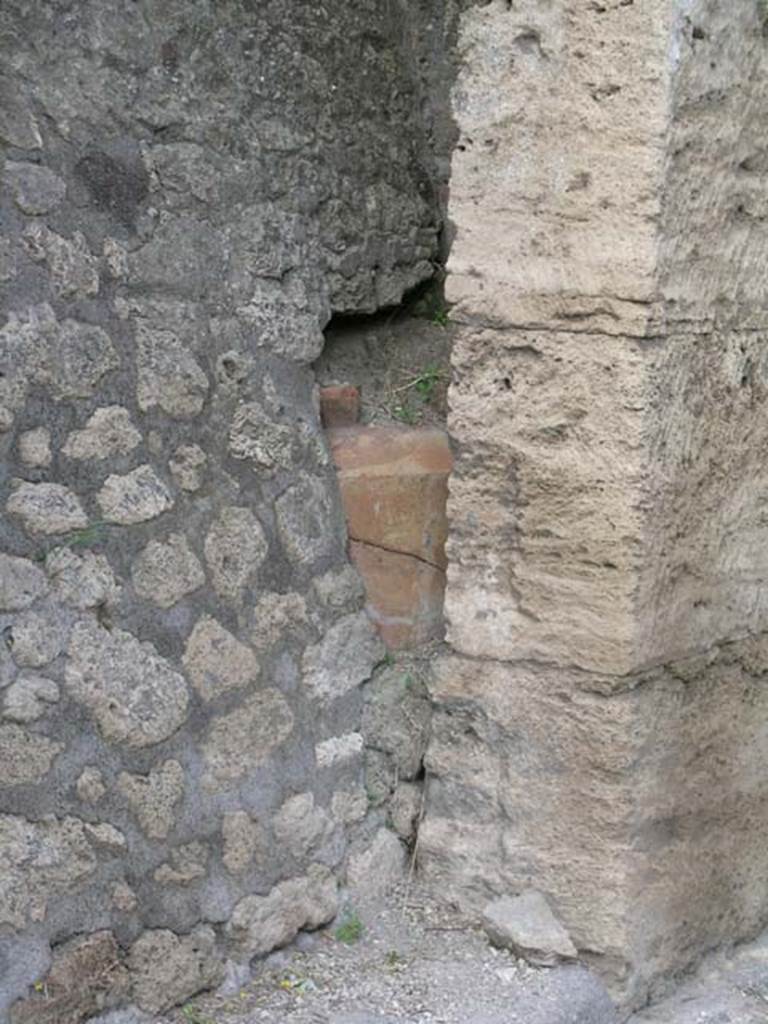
[190, 188]
[600, 729]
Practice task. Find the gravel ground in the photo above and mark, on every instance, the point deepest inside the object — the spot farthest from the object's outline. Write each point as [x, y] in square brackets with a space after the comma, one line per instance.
[413, 962]
[416, 963]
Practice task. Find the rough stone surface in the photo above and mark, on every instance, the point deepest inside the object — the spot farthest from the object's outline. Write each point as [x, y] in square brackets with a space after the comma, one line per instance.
[343, 659]
[134, 498]
[134, 695]
[339, 589]
[276, 618]
[245, 841]
[90, 785]
[25, 756]
[153, 797]
[262, 923]
[614, 867]
[255, 436]
[73, 270]
[87, 976]
[339, 749]
[240, 741]
[124, 898]
[167, 969]
[188, 466]
[40, 861]
[191, 191]
[526, 925]
[396, 719]
[21, 583]
[81, 581]
[303, 514]
[300, 827]
[166, 571]
[82, 356]
[405, 809]
[37, 637]
[235, 547]
[215, 661]
[29, 698]
[605, 505]
[372, 871]
[35, 189]
[186, 864]
[108, 432]
[47, 508]
[35, 448]
[169, 375]
[349, 806]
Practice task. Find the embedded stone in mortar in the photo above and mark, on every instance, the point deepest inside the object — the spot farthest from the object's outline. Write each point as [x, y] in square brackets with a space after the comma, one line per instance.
[29, 698]
[343, 659]
[349, 805]
[167, 969]
[215, 661]
[47, 508]
[37, 637]
[108, 432]
[254, 435]
[187, 466]
[166, 571]
[74, 272]
[25, 756]
[305, 515]
[244, 840]
[337, 749]
[186, 863]
[76, 357]
[35, 448]
[396, 718]
[278, 617]
[40, 860]
[260, 924]
[134, 694]
[87, 977]
[234, 549]
[18, 126]
[81, 581]
[90, 787]
[153, 797]
[300, 826]
[169, 376]
[238, 742]
[134, 497]
[21, 583]
[35, 189]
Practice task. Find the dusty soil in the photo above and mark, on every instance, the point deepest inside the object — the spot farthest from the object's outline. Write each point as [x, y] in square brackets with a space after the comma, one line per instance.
[400, 362]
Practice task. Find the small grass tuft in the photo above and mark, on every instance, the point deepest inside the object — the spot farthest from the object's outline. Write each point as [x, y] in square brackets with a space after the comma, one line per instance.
[192, 1015]
[393, 960]
[404, 413]
[350, 930]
